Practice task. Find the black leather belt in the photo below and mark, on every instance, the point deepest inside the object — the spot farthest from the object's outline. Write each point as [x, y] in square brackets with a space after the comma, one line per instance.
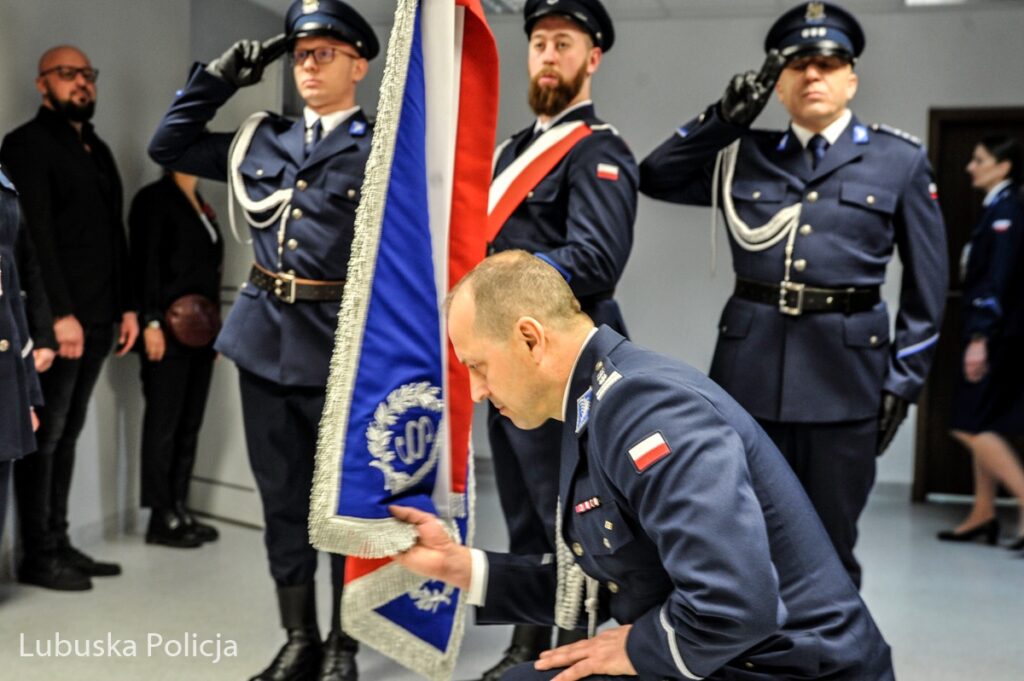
[795, 299]
[288, 288]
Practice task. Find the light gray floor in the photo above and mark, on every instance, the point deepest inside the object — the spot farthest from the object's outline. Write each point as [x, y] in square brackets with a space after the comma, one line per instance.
[949, 611]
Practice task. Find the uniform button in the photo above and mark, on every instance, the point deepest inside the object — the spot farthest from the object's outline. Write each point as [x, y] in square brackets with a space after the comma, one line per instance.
[599, 366]
[871, 199]
[748, 664]
[351, 193]
[725, 327]
[301, 185]
[812, 197]
[874, 340]
[296, 213]
[607, 543]
[292, 244]
[259, 172]
[829, 300]
[5, 345]
[529, 195]
[756, 195]
[291, 272]
[613, 587]
[577, 548]
[806, 229]
[244, 284]
[800, 265]
[608, 525]
[700, 119]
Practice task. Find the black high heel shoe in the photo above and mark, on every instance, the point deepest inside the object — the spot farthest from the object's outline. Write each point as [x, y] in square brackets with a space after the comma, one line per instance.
[989, 530]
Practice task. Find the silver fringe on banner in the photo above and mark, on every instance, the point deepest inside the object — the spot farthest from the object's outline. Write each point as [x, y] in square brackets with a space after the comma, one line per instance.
[353, 536]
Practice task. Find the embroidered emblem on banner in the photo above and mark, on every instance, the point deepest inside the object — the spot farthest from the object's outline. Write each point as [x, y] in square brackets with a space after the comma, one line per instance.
[1001, 225]
[607, 171]
[648, 452]
[587, 505]
[583, 409]
[405, 435]
[428, 599]
[310, 6]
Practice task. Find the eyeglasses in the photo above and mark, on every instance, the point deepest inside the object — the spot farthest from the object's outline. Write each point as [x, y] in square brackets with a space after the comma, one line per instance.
[69, 73]
[321, 55]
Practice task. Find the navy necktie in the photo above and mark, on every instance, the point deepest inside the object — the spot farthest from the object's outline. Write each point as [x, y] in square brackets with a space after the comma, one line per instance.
[817, 145]
[312, 137]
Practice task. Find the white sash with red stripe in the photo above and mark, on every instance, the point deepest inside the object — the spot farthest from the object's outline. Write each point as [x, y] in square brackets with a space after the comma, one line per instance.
[516, 181]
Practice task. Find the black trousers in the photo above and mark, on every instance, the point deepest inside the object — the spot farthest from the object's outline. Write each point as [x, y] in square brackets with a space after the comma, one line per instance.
[5, 486]
[176, 389]
[526, 469]
[42, 482]
[281, 424]
[835, 463]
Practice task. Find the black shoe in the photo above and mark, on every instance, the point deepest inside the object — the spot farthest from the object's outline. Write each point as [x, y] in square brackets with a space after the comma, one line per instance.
[206, 533]
[528, 642]
[85, 563]
[989, 530]
[298, 659]
[50, 571]
[339, 663]
[1017, 544]
[166, 528]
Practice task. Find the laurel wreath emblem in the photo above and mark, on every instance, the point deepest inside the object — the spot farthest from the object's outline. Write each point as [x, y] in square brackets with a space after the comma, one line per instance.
[380, 436]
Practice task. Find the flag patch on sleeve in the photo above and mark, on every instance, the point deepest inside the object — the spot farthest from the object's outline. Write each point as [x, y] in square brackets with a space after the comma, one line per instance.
[607, 171]
[933, 190]
[1001, 225]
[648, 452]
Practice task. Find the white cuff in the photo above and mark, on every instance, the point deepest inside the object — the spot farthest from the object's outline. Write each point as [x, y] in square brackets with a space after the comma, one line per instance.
[477, 593]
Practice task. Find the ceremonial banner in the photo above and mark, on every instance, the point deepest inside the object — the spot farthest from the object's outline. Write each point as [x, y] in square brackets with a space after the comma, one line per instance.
[396, 423]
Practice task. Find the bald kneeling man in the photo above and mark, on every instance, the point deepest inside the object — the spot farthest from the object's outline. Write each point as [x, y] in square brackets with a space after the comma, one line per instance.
[680, 511]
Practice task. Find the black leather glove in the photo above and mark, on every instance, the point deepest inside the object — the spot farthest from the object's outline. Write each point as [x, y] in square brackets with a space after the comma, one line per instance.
[748, 93]
[241, 65]
[894, 410]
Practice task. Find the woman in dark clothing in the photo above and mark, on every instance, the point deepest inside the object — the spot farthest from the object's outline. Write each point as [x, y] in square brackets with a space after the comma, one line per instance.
[177, 250]
[987, 405]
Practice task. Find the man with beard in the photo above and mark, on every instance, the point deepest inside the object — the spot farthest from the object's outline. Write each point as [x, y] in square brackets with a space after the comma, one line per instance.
[71, 195]
[564, 189]
[813, 214]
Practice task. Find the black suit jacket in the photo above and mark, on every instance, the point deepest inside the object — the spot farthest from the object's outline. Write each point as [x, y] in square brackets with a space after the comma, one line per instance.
[173, 253]
[72, 198]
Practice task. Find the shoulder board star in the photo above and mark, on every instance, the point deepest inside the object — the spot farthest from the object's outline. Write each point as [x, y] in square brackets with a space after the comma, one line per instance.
[896, 132]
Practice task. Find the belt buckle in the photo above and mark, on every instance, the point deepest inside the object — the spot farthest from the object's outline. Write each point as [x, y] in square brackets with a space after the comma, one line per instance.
[785, 288]
[282, 279]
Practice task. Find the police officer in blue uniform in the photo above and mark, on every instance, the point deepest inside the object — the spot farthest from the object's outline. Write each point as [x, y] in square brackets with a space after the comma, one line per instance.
[299, 184]
[813, 213]
[577, 214]
[689, 528]
[20, 391]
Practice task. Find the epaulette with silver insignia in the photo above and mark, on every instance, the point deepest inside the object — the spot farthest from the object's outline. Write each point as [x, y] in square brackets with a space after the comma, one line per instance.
[896, 132]
[606, 126]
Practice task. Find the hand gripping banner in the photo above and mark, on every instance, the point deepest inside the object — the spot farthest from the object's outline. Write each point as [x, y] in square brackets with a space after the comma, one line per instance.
[396, 423]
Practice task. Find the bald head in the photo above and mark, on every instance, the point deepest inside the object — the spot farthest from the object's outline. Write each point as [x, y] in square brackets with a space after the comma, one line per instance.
[62, 55]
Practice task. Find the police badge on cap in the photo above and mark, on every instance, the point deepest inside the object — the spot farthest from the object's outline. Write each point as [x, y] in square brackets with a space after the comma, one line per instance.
[589, 14]
[816, 28]
[332, 18]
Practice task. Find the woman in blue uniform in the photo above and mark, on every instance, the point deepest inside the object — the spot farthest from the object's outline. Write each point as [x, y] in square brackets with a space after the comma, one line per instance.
[987, 405]
[19, 385]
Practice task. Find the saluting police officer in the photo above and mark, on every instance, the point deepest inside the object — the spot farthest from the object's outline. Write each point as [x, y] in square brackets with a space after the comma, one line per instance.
[299, 184]
[564, 188]
[813, 213]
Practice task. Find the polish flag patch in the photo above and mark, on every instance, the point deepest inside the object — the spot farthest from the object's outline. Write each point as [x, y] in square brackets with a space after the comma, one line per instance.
[1001, 225]
[648, 452]
[933, 190]
[607, 171]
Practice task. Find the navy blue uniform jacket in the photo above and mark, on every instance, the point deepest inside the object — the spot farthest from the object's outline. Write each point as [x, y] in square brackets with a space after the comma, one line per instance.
[994, 278]
[713, 553]
[872, 191]
[289, 344]
[19, 385]
[577, 221]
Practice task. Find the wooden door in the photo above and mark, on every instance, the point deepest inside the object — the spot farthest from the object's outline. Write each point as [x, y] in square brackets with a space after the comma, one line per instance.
[941, 465]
